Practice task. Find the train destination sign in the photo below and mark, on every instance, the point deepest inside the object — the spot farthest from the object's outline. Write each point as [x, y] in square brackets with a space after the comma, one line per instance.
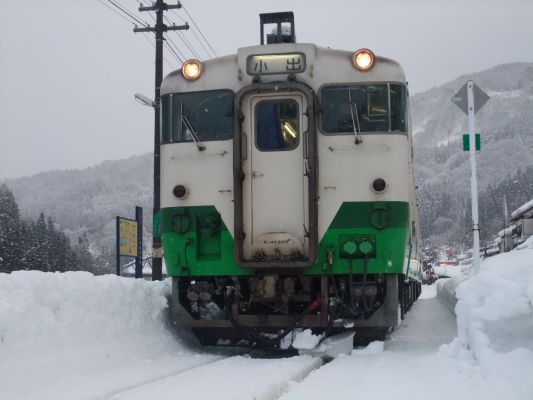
[268, 64]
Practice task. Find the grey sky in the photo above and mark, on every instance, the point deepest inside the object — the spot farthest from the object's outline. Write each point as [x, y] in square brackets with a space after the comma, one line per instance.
[69, 68]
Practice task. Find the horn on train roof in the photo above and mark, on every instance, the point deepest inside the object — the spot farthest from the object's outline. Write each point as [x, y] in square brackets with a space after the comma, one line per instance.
[283, 31]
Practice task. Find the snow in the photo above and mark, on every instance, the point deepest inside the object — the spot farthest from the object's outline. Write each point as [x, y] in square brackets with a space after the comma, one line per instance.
[77, 336]
[373, 348]
[495, 320]
[428, 292]
[509, 94]
[305, 340]
[522, 209]
[507, 231]
[528, 244]
[233, 378]
[83, 336]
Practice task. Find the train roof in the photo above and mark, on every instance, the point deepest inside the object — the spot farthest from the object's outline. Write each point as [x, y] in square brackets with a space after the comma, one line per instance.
[323, 66]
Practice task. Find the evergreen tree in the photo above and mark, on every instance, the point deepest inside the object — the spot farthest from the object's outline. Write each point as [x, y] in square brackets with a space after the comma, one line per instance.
[11, 232]
[85, 260]
[41, 243]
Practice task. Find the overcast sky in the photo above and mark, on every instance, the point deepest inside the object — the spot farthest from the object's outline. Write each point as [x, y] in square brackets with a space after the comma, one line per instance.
[69, 68]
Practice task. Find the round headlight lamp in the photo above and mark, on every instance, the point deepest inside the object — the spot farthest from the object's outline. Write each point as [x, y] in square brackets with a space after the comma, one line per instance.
[180, 191]
[379, 185]
[363, 59]
[192, 69]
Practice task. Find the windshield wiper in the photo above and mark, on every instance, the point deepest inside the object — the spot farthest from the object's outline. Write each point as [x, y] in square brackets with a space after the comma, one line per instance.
[356, 129]
[194, 135]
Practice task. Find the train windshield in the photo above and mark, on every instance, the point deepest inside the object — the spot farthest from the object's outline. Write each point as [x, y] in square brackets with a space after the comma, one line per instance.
[197, 116]
[363, 108]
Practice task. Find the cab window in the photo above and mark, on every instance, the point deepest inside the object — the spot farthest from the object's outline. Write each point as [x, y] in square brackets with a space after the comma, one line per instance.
[363, 108]
[206, 116]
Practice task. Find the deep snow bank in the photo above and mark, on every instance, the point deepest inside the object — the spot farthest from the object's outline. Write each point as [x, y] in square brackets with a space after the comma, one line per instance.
[76, 336]
[495, 320]
[77, 308]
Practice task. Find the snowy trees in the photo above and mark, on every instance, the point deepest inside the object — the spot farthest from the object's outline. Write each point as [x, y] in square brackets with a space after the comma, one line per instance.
[37, 245]
[11, 231]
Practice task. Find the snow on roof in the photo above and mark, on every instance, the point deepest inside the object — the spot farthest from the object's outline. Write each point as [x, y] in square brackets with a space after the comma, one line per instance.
[506, 231]
[522, 209]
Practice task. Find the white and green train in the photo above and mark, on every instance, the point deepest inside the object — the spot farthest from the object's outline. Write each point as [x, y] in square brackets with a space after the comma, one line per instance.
[287, 191]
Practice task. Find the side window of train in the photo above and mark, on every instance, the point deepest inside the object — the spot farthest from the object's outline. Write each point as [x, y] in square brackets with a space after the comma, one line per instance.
[204, 115]
[277, 125]
[363, 108]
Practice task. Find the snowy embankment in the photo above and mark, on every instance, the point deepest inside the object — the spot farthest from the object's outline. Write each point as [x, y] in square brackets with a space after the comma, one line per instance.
[77, 336]
[495, 321]
[494, 310]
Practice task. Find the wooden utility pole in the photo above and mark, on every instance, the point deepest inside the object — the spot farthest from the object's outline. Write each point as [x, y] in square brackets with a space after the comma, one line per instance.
[159, 7]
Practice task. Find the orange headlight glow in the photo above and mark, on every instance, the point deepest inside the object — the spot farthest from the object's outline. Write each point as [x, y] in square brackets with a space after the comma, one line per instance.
[363, 59]
[191, 69]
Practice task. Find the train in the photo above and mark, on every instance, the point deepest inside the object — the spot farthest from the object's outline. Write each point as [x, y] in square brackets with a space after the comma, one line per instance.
[288, 199]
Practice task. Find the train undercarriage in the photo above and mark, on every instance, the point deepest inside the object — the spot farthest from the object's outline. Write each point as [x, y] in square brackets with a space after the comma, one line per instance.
[263, 310]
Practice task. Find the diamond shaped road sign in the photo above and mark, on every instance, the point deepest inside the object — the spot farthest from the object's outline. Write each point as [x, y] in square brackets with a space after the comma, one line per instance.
[461, 98]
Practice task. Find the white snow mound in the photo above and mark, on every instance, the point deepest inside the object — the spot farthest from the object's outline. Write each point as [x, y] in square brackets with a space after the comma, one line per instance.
[495, 320]
[79, 336]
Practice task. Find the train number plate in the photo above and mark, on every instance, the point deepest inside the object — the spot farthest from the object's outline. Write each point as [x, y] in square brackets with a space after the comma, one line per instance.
[268, 64]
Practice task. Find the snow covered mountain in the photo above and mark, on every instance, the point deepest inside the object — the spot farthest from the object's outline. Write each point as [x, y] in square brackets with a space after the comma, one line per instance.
[88, 200]
[442, 167]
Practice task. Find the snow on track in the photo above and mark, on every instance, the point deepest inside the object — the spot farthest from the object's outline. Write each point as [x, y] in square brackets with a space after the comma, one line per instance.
[77, 336]
[233, 378]
[408, 366]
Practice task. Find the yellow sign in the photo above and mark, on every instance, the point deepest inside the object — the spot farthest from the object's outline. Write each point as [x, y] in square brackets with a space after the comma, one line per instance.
[128, 237]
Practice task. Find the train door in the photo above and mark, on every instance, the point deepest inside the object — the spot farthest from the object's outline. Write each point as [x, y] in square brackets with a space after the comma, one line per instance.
[275, 187]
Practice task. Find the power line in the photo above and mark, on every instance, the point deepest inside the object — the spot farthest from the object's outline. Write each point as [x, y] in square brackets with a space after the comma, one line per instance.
[174, 52]
[196, 36]
[185, 41]
[167, 37]
[122, 8]
[194, 28]
[194, 23]
[153, 45]
[116, 12]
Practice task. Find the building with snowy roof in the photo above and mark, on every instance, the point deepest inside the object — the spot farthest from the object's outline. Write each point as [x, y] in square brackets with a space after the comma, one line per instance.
[520, 230]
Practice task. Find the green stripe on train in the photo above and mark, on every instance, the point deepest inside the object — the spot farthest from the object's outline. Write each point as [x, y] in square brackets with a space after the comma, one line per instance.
[196, 241]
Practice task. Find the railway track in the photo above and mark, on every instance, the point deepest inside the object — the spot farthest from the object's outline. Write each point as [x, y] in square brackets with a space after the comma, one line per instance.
[244, 376]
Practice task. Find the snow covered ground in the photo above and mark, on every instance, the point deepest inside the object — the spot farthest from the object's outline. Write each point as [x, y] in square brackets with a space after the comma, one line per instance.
[76, 336]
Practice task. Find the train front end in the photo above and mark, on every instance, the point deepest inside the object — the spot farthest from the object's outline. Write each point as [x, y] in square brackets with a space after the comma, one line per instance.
[287, 193]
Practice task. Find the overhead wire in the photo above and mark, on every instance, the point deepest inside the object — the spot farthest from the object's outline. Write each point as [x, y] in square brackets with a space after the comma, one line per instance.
[183, 39]
[116, 12]
[125, 17]
[193, 30]
[168, 39]
[129, 13]
[194, 23]
[171, 46]
[153, 45]
[173, 51]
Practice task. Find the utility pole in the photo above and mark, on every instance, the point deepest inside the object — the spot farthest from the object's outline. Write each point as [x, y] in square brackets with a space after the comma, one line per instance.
[159, 7]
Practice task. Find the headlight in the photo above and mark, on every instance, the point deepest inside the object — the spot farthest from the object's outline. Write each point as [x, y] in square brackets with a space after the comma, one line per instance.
[379, 185]
[191, 69]
[363, 59]
[180, 191]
